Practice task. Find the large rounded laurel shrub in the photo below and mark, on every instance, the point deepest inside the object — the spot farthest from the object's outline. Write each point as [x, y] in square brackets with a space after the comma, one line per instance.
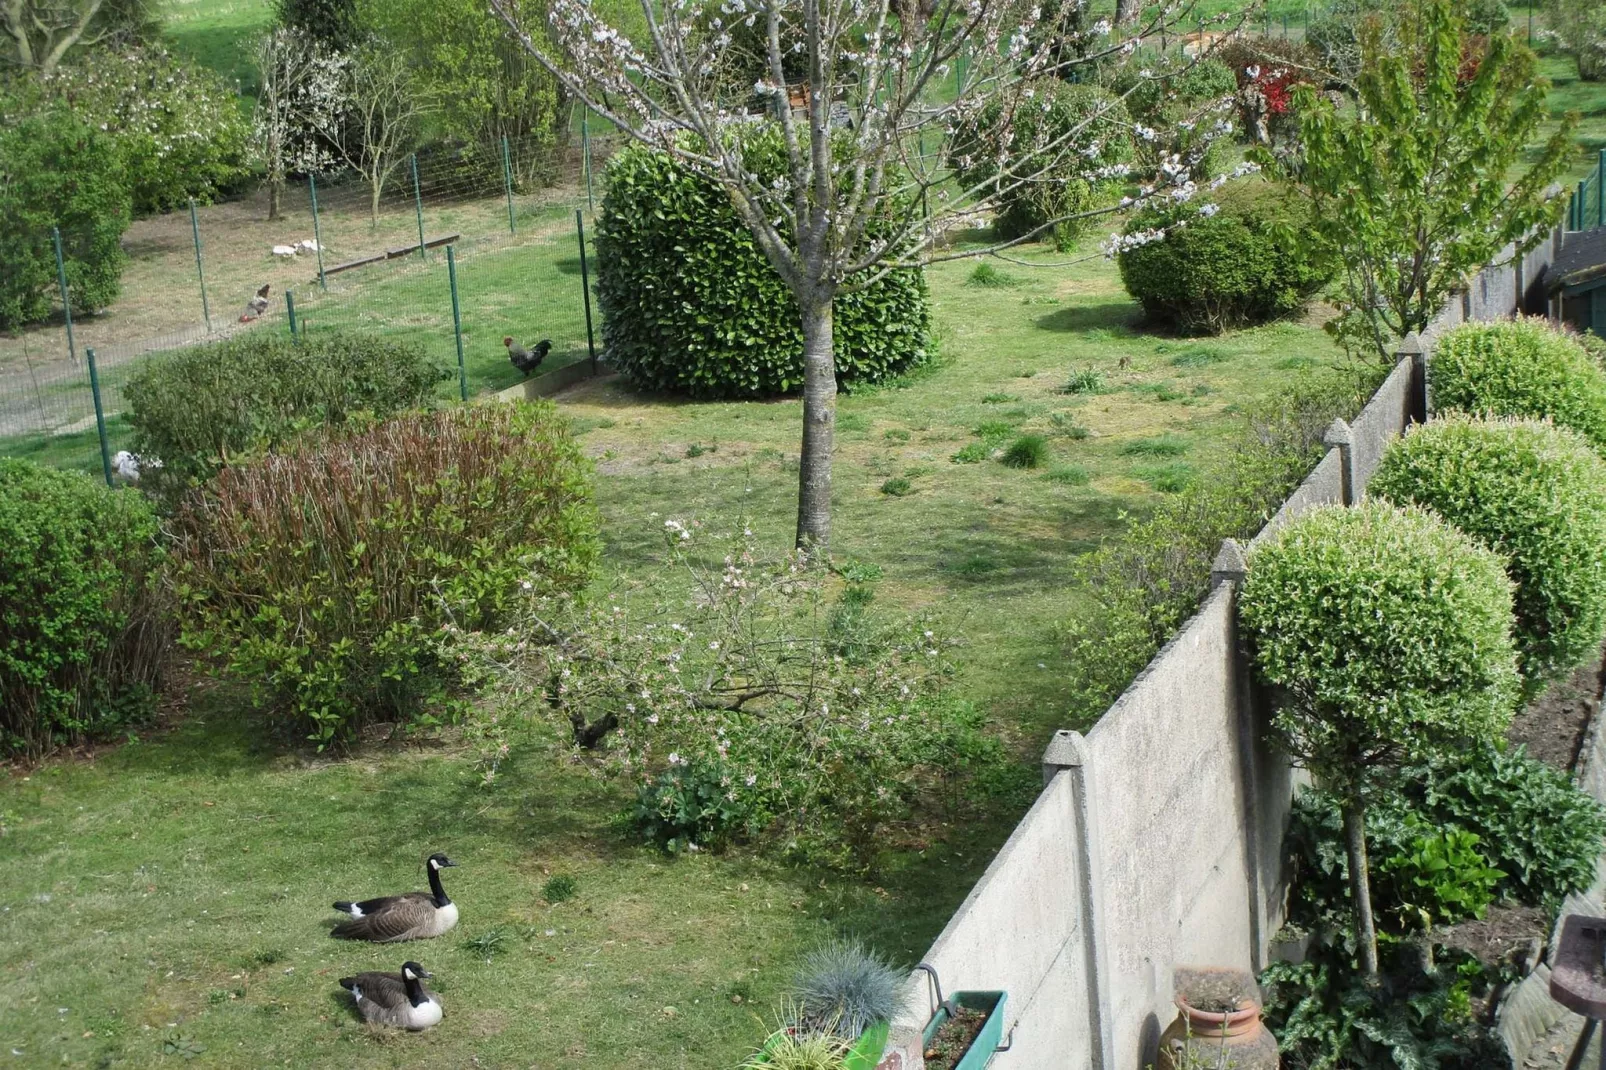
[1522, 367]
[1387, 631]
[690, 304]
[1064, 131]
[1203, 270]
[1536, 495]
[328, 576]
[83, 625]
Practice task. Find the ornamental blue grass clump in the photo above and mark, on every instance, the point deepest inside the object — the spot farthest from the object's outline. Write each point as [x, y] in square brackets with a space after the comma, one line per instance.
[844, 987]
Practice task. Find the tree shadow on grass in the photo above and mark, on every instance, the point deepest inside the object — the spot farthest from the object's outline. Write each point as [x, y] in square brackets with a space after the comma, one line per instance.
[1120, 318]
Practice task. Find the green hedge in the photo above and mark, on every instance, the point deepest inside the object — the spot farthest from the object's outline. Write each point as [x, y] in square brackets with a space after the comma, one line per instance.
[1245, 264]
[1521, 367]
[327, 575]
[58, 171]
[83, 623]
[690, 305]
[201, 408]
[1536, 495]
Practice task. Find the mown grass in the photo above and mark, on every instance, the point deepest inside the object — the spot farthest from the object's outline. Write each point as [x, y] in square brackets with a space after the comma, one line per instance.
[179, 887]
[218, 34]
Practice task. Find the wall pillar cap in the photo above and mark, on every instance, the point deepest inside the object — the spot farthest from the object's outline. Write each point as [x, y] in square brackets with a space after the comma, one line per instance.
[1337, 434]
[1230, 564]
[1410, 346]
[1066, 750]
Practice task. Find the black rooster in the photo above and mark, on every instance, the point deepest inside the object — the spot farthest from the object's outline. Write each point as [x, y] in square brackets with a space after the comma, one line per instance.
[523, 359]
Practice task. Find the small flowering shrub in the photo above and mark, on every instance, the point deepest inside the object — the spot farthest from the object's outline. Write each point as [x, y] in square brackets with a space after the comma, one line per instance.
[756, 706]
[1216, 263]
[178, 129]
[1037, 196]
[331, 576]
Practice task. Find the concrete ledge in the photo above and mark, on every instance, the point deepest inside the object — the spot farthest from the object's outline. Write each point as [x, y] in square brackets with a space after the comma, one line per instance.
[555, 381]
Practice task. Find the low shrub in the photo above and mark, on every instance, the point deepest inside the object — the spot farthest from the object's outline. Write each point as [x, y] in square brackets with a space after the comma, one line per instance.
[84, 623]
[691, 806]
[972, 453]
[559, 888]
[1534, 493]
[332, 576]
[987, 276]
[1051, 142]
[1522, 367]
[202, 408]
[1085, 381]
[1027, 451]
[691, 305]
[58, 171]
[1204, 272]
[897, 487]
[843, 987]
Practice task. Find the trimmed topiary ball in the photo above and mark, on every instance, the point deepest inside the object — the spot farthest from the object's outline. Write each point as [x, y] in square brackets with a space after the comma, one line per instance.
[1522, 367]
[1241, 264]
[1535, 494]
[691, 306]
[1387, 631]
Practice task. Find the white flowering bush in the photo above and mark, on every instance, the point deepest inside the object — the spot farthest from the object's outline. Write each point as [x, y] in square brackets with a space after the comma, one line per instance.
[756, 702]
[177, 128]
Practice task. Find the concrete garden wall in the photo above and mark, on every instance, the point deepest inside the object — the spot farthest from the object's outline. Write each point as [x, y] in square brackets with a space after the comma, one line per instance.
[1157, 840]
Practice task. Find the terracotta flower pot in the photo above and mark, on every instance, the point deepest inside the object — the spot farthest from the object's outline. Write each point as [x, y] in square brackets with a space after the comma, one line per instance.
[1198, 1039]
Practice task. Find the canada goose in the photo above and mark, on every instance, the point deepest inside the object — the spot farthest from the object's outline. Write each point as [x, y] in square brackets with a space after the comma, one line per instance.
[395, 999]
[414, 916]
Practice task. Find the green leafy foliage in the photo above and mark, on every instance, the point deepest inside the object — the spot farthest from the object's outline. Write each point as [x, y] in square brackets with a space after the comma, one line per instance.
[84, 626]
[1179, 105]
[1430, 176]
[1084, 381]
[1536, 495]
[1336, 34]
[1387, 632]
[1327, 1014]
[843, 987]
[1049, 141]
[178, 130]
[691, 805]
[1442, 876]
[201, 409]
[331, 22]
[332, 576]
[1243, 265]
[1580, 25]
[1142, 586]
[56, 170]
[1524, 368]
[691, 305]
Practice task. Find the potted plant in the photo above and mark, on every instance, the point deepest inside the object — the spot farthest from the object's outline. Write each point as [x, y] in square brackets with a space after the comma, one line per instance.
[846, 989]
[965, 1031]
[1217, 1024]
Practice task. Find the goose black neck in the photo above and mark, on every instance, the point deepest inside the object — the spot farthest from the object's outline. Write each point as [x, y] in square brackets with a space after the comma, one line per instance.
[415, 991]
[435, 887]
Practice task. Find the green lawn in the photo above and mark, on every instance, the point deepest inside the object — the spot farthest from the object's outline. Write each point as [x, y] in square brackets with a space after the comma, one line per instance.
[218, 34]
[174, 891]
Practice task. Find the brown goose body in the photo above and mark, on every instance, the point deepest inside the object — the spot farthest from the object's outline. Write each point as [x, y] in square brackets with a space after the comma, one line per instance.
[398, 1000]
[392, 918]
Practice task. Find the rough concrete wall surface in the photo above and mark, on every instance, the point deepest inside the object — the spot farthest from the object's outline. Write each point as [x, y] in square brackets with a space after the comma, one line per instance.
[1379, 422]
[1020, 930]
[1172, 823]
[1324, 486]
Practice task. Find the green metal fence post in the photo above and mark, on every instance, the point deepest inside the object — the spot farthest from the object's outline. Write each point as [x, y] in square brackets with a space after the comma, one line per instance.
[1581, 206]
[418, 206]
[317, 232]
[66, 302]
[507, 182]
[290, 307]
[585, 287]
[1600, 189]
[200, 272]
[457, 323]
[585, 162]
[100, 417]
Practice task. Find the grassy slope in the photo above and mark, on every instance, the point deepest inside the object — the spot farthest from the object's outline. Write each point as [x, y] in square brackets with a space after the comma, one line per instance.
[217, 34]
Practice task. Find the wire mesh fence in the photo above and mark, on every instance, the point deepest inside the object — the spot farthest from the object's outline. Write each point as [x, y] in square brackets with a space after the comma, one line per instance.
[481, 245]
[1586, 208]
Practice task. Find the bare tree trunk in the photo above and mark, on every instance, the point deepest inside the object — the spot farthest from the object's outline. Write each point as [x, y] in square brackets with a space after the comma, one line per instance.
[1360, 885]
[275, 192]
[1126, 10]
[819, 425]
[374, 187]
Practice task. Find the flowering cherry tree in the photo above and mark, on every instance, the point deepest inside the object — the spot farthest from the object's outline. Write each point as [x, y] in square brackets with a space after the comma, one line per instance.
[874, 157]
[301, 92]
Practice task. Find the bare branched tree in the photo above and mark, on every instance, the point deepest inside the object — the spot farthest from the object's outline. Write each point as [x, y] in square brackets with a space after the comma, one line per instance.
[38, 34]
[380, 123]
[878, 136]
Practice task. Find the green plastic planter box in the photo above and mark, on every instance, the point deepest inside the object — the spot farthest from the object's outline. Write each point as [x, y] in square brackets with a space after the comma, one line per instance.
[982, 1049]
[866, 1051]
